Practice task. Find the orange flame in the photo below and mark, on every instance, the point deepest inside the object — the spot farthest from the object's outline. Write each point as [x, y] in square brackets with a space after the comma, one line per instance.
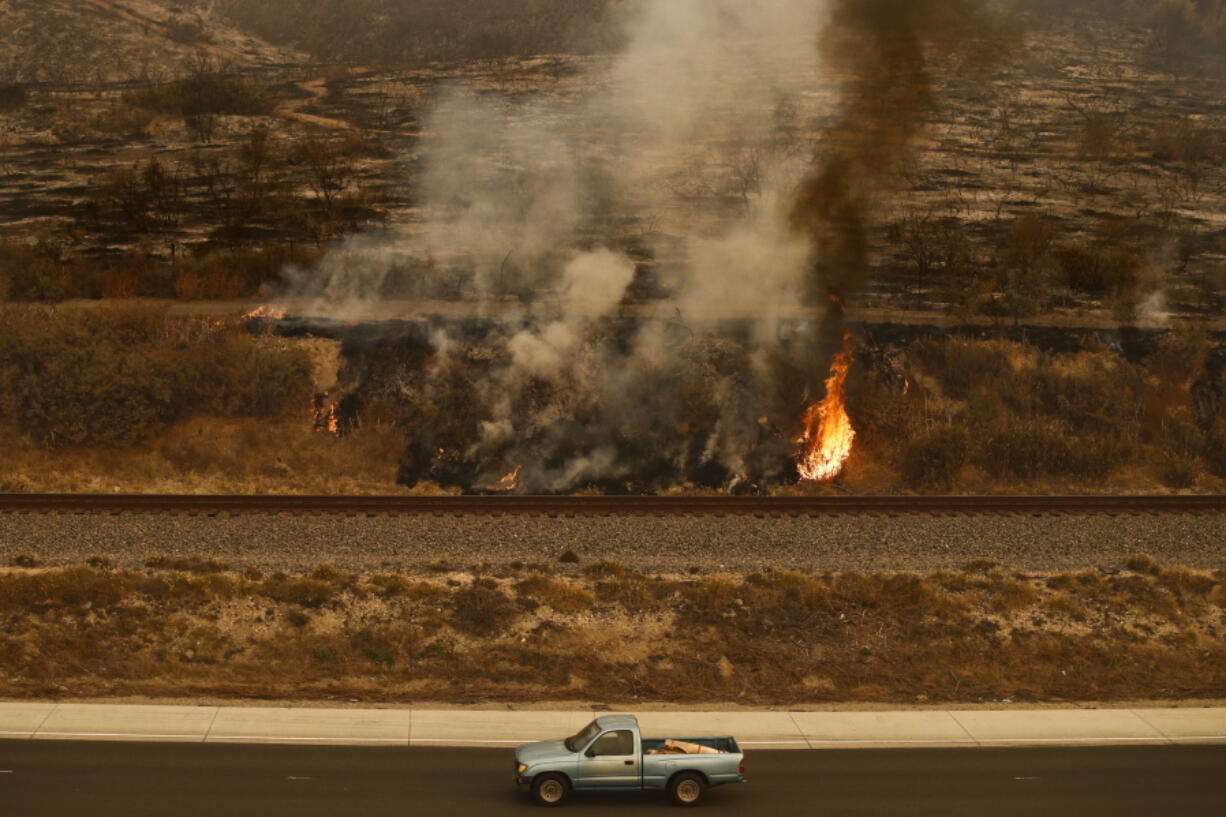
[828, 433]
[511, 481]
[327, 419]
[273, 312]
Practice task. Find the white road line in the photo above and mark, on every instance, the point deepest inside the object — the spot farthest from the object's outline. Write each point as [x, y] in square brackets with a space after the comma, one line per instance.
[805, 741]
[193, 736]
[474, 740]
[303, 738]
[1152, 739]
[841, 741]
[773, 742]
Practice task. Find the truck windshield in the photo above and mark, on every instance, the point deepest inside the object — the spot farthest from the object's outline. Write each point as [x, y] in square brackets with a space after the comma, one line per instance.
[582, 738]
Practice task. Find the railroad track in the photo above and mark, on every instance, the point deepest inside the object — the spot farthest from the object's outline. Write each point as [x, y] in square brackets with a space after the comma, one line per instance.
[608, 505]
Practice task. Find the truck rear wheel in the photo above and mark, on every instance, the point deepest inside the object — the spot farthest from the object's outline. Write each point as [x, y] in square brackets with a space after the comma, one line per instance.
[686, 789]
[550, 790]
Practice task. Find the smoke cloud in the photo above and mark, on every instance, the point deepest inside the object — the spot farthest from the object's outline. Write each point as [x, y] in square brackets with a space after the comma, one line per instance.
[677, 163]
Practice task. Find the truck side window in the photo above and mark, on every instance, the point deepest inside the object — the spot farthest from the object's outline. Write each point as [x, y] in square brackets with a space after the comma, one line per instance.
[620, 742]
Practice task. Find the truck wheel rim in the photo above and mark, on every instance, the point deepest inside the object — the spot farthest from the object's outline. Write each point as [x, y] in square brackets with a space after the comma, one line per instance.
[687, 790]
[551, 791]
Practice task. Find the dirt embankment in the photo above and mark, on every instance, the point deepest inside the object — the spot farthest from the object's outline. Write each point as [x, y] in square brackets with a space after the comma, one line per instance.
[189, 628]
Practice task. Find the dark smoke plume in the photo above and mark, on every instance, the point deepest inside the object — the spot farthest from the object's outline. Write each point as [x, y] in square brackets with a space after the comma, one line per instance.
[886, 51]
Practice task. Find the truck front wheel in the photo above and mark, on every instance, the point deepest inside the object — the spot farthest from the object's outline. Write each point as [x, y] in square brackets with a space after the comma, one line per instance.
[686, 788]
[550, 790]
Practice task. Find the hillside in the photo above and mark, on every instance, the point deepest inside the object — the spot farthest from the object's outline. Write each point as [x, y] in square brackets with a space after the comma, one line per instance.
[100, 41]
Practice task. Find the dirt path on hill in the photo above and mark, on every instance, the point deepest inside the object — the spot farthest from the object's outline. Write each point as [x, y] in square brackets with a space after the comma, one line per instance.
[293, 109]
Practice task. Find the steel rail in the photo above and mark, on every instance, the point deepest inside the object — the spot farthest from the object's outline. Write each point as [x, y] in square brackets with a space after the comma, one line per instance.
[606, 505]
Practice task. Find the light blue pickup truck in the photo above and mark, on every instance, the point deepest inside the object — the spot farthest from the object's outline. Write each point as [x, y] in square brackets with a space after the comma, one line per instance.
[609, 754]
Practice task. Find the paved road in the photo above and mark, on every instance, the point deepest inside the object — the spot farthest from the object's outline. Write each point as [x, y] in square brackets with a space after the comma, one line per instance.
[61, 779]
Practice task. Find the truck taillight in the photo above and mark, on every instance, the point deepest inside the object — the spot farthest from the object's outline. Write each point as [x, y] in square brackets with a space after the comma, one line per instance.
[742, 770]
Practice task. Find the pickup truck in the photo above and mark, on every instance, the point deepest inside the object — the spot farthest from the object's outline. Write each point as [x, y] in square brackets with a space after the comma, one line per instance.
[609, 754]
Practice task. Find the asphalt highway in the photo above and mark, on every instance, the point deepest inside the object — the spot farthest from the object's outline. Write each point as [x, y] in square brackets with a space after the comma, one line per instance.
[61, 779]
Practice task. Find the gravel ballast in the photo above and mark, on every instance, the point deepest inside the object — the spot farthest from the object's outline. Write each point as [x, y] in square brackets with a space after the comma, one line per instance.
[646, 543]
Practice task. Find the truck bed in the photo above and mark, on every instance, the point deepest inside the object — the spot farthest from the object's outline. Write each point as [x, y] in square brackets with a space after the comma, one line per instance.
[720, 768]
[725, 744]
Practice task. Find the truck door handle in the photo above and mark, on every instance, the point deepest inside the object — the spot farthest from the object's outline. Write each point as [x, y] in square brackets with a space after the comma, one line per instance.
[629, 762]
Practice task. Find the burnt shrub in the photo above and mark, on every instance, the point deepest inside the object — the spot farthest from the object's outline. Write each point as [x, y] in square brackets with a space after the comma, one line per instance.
[932, 461]
[204, 94]
[1099, 271]
[12, 97]
[1215, 451]
[482, 609]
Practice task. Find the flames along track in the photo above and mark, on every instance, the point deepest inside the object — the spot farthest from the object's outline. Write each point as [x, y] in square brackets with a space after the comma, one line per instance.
[609, 505]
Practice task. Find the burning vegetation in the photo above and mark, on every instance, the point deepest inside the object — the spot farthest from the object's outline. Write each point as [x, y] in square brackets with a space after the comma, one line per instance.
[828, 433]
[630, 264]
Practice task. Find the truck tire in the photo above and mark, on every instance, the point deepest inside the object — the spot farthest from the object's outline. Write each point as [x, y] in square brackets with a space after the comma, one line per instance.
[686, 789]
[550, 790]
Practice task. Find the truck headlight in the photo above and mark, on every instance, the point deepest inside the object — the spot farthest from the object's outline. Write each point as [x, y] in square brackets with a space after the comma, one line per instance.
[521, 768]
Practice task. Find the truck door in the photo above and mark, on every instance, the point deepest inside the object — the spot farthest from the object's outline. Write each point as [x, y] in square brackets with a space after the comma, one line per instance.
[611, 762]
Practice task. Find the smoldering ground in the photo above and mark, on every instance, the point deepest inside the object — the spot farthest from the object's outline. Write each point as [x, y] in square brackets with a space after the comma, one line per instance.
[748, 195]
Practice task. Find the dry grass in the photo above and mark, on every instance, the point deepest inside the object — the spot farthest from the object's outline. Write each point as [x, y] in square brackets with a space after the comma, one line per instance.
[185, 628]
[986, 416]
[215, 455]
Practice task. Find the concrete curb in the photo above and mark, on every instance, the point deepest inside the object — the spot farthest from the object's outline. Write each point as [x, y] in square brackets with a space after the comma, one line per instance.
[754, 730]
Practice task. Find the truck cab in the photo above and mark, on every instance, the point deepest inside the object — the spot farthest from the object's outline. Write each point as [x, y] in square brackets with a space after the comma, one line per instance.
[610, 754]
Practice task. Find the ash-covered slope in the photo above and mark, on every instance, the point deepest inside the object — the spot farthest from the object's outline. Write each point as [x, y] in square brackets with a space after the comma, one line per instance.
[72, 41]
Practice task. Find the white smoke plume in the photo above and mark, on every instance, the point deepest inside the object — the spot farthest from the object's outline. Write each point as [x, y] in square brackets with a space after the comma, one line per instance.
[684, 149]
